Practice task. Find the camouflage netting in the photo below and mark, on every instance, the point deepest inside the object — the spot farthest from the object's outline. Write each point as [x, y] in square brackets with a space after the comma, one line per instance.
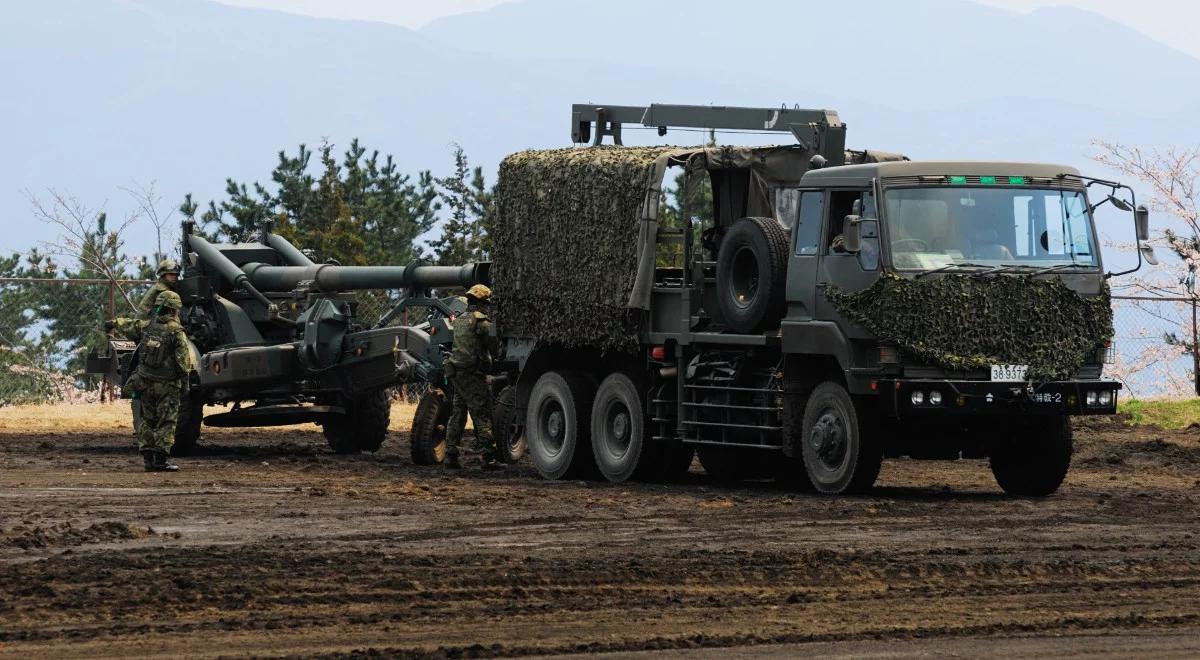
[960, 322]
[566, 243]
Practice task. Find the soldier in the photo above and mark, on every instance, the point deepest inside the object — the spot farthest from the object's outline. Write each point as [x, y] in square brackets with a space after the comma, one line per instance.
[168, 277]
[164, 364]
[466, 371]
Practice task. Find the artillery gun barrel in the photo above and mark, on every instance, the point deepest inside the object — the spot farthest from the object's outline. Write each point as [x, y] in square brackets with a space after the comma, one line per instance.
[331, 278]
[291, 255]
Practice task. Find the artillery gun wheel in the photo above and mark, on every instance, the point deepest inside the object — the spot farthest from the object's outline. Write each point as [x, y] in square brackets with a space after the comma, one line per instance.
[427, 443]
[751, 274]
[842, 452]
[1034, 457]
[509, 436]
[187, 427]
[558, 424]
[363, 427]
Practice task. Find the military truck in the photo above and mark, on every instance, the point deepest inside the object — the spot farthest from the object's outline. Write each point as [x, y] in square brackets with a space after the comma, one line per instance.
[280, 340]
[826, 309]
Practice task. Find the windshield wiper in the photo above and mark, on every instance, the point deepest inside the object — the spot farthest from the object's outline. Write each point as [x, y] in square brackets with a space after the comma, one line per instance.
[1054, 268]
[948, 267]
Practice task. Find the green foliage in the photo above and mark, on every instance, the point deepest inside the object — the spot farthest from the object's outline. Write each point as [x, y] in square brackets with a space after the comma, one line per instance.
[466, 235]
[359, 210]
[1167, 414]
[960, 322]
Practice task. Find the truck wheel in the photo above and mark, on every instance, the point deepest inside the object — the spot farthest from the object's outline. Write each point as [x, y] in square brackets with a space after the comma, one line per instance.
[619, 428]
[751, 274]
[363, 427]
[187, 427]
[558, 424]
[1033, 461]
[838, 456]
[427, 441]
[509, 436]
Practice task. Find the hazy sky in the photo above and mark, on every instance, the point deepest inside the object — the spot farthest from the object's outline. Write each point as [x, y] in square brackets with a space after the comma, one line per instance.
[1172, 22]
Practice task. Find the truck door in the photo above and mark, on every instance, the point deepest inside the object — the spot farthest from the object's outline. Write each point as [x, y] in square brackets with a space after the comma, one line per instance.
[850, 272]
[804, 210]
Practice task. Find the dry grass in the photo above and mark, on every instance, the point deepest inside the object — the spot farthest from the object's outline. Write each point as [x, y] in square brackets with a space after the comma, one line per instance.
[116, 417]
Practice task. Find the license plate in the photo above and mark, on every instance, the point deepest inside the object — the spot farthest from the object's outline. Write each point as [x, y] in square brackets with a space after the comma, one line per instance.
[1009, 373]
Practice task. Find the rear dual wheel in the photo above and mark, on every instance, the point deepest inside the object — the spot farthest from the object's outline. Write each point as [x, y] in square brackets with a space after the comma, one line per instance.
[558, 424]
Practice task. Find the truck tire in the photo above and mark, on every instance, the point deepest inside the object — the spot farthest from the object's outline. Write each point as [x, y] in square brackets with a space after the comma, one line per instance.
[558, 424]
[363, 427]
[840, 455]
[509, 435]
[427, 441]
[1035, 458]
[619, 443]
[751, 275]
[187, 427]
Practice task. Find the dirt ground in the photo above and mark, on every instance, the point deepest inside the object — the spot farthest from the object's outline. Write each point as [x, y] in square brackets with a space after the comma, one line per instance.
[268, 545]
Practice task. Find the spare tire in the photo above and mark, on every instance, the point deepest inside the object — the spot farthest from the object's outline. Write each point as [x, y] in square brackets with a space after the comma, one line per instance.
[752, 274]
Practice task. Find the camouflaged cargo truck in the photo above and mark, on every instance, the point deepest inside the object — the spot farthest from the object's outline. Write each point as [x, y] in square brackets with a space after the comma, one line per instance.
[797, 312]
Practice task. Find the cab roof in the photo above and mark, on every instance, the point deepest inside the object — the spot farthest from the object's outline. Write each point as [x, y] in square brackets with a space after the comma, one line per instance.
[857, 175]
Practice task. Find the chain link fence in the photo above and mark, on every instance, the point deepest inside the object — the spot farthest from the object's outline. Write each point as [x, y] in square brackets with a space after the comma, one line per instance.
[47, 327]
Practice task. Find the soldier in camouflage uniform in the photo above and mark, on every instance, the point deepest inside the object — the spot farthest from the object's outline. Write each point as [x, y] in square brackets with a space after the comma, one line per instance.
[466, 372]
[168, 277]
[164, 364]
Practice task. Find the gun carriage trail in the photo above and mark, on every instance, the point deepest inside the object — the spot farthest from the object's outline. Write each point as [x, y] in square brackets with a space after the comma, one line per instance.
[272, 545]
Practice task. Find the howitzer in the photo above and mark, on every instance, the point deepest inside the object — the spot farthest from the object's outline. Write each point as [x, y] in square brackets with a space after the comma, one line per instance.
[287, 335]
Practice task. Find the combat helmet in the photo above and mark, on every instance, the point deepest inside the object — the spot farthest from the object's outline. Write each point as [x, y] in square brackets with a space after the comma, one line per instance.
[169, 300]
[480, 292]
[167, 266]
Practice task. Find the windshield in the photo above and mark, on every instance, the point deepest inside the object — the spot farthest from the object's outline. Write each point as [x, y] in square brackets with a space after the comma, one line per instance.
[987, 226]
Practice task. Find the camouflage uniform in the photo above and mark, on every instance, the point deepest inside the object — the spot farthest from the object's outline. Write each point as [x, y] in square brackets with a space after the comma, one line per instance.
[164, 364]
[150, 300]
[466, 371]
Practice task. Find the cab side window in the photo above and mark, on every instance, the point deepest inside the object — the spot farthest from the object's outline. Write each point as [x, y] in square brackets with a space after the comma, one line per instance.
[808, 222]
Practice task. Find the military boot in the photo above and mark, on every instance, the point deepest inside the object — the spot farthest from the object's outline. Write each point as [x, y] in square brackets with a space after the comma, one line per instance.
[161, 464]
[493, 464]
[452, 462]
[148, 459]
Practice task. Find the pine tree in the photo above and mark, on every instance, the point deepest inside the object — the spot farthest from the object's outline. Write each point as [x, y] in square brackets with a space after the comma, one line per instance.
[465, 234]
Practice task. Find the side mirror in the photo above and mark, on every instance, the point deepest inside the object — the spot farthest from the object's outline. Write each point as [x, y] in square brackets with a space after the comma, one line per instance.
[852, 234]
[1141, 223]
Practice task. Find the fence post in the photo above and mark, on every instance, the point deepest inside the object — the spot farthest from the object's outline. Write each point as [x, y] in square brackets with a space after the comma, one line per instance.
[1195, 349]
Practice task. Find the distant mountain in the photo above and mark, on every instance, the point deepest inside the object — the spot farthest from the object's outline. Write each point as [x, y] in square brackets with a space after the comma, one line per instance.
[101, 93]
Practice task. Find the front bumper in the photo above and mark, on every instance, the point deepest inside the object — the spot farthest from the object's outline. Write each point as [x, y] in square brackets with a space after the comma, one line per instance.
[981, 397]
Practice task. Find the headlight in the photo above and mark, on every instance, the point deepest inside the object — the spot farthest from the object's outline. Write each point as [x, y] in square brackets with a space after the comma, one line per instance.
[918, 398]
[935, 398]
[1105, 398]
[1091, 398]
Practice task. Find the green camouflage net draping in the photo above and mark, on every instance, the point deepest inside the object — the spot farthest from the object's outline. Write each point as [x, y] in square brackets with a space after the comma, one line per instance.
[565, 243]
[961, 322]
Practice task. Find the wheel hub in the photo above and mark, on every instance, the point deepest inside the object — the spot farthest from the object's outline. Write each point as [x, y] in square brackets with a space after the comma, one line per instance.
[829, 439]
[620, 426]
